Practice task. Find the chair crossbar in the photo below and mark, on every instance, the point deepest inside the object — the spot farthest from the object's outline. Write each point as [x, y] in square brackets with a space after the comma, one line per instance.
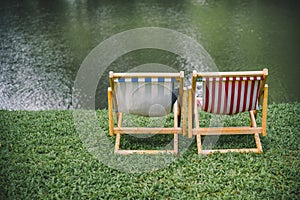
[232, 74]
[128, 152]
[244, 150]
[146, 75]
[145, 80]
[135, 130]
[227, 130]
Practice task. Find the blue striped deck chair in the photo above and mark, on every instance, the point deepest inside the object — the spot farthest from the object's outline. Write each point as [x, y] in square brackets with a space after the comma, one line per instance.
[228, 93]
[148, 95]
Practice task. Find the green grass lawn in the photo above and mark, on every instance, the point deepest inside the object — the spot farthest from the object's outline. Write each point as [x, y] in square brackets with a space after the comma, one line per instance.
[43, 157]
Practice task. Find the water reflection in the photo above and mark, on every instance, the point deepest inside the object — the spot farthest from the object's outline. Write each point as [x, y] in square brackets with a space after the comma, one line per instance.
[44, 42]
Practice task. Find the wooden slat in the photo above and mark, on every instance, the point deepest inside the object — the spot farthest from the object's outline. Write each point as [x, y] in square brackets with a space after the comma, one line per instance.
[127, 152]
[264, 110]
[175, 143]
[176, 110]
[190, 113]
[183, 112]
[182, 102]
[141, 130]
[111, 80]
[120, 119]
[235, 74]
[227, 131]
[117, 144]
[252, 117]
[199, 144]
[110, 112]
[196, 114]
[146, 75]
[194, 78]
[257, 142]
[262, 86]
[246, 150]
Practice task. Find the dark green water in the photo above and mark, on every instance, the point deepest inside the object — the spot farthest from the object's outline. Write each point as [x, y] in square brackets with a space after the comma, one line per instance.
[43, 43]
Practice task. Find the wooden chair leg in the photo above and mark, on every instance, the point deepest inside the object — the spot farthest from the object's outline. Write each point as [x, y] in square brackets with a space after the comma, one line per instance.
[190, 113]
[117, 145]
[199, 145]
[183, 114]
[258, 143]
[176, 143]
[118, 136]
[256, 135]
[110, 112]
[176, 124]
[252, 114]
[264, 110]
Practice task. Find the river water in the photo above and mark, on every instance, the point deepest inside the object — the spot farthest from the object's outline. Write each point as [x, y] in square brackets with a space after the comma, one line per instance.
[43, 43]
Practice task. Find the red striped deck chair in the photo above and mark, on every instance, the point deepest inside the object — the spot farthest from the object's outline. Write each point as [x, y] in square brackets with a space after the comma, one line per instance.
[145, 94]
[229, 93]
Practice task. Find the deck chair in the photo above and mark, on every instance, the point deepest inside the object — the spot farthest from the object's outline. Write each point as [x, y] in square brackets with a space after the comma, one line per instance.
[228, 93]
[150, 95]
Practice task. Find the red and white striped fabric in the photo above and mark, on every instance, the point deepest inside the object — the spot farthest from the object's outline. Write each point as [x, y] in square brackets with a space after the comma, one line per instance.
[230, 95]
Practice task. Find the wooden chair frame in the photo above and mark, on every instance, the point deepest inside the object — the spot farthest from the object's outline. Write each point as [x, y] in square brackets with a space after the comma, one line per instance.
[178, 110]
[193, 115]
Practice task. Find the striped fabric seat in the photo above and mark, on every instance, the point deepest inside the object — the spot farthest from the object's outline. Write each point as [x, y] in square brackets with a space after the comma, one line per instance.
[145, 96]
[230, 95]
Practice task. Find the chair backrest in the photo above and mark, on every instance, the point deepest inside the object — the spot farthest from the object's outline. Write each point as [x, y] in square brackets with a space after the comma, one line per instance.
[147, 94]
[230, 92]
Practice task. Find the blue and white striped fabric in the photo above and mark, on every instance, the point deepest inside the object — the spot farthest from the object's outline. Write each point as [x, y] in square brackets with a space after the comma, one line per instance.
[145, 80]
[145, 96]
